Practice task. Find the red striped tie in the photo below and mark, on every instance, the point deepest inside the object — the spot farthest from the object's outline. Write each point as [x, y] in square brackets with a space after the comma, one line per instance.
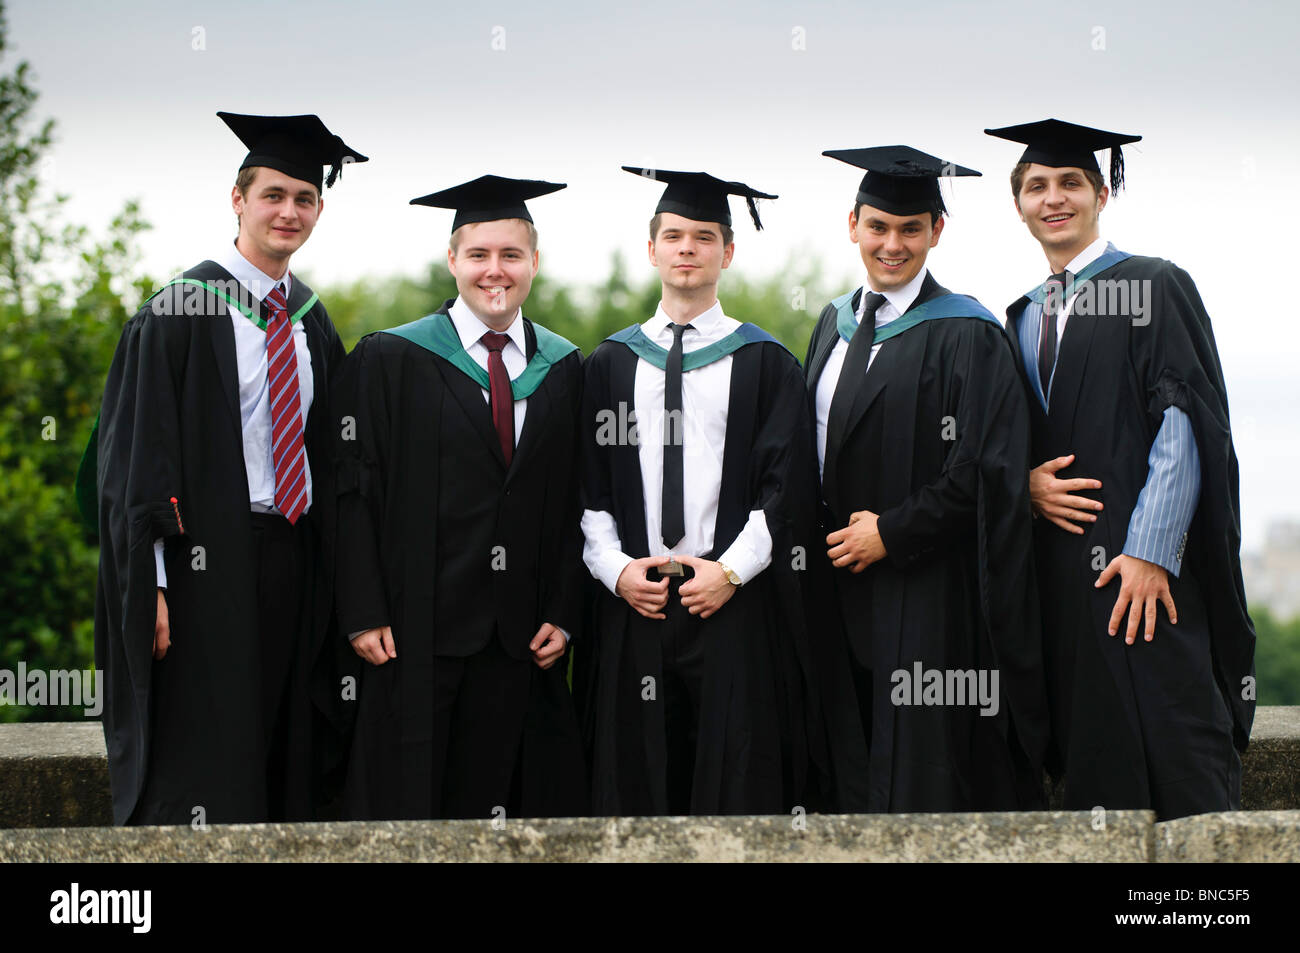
[500, 397]
[286, 411]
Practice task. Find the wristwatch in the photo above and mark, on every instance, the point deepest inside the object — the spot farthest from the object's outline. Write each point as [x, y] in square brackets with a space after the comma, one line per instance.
[730, 574]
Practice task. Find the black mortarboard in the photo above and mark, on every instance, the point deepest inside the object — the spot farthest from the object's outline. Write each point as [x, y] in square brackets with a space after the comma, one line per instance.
[699, 196]
[488, 198]
[1059, 144]
[900, 180]
[295, 145]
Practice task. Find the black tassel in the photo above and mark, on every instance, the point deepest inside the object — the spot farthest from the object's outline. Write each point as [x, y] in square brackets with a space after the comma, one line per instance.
[1116, 169]
[335, 171]
[753, 212]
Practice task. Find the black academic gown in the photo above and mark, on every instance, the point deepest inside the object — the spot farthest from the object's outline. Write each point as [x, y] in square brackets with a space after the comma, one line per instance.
[453, 549]
[934, 444]
[755, 752]
[1151, 725]
[187, 732]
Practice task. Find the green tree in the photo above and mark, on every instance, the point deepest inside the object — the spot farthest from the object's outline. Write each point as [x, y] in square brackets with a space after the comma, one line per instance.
[1277, 658]
[54, 352]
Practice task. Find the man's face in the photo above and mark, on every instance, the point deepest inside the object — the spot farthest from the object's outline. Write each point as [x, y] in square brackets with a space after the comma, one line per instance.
[690, 255]
[893, 247]
[277, 216]
[1061, 208]
[494, 266]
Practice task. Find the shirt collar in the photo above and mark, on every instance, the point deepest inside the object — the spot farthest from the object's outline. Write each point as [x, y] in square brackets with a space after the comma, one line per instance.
[705, 324]
[257, 282]
[1087, 256]
[900, 298]
[471, 328]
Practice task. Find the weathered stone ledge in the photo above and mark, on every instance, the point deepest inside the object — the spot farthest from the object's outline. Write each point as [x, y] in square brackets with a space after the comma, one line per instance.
[1126, 836]
[54, 790]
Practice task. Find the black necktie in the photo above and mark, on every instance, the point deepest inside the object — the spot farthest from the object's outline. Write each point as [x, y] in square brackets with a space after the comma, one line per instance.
[1052, 306]
[673, 502]
[851, 373]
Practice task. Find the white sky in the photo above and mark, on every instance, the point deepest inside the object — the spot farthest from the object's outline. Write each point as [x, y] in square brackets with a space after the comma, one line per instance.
[576, 93]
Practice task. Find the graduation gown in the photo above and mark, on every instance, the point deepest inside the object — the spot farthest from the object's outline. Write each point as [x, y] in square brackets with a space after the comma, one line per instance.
[754, 749]
[1148, 725]
[935, 444]
[453, 549]
[187, 731]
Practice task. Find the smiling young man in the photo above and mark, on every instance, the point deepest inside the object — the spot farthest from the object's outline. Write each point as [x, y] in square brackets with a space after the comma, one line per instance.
[1136, 488]
[215, 508]
[929, 650]
[697, 489]
[460, 573]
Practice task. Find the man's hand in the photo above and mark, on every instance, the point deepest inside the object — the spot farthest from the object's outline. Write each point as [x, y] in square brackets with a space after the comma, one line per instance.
[1144, 584]
[162, 633]
[708, 591]
[646, 597]
[375, 645]
[857, 545]
[547, 646]
[1051, 497]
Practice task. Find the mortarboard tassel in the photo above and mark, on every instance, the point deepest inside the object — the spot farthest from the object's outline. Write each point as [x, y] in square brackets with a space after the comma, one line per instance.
[753, 212]
[1116, 169]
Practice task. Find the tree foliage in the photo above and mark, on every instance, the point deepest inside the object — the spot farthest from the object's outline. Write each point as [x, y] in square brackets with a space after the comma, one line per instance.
[54, 351]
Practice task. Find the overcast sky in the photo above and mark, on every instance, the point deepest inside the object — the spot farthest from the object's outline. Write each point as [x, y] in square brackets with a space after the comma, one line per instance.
[440, 93]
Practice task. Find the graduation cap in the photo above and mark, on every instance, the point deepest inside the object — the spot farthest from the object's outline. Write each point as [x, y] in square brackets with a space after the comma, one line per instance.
[295, 145]
[1063, 144]
[900, 180]
[488, 198]
[699, 196]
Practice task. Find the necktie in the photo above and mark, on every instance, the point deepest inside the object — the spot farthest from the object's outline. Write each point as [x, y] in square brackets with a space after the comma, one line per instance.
[673, 501]
[855, 366]
[287, 451]
[500, 397]
[852, 372]
[1052, 305]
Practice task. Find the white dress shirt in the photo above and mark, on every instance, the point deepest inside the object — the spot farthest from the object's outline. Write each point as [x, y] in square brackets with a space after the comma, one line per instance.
[895, 306]
[254, 393]
[514, 355]
[1076, 265]
[706, 392]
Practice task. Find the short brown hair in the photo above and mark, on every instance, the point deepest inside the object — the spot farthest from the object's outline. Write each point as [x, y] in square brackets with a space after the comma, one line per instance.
[244, 180]
[454, 242]
[1018, 179]
[728, 236]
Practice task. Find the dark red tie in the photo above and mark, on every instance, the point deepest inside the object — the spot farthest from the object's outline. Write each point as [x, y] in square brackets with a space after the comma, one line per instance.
[287, 452]
[1053, 304]
[502, 401]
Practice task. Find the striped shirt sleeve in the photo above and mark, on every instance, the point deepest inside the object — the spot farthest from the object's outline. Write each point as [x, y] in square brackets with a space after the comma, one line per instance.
[1157, 530]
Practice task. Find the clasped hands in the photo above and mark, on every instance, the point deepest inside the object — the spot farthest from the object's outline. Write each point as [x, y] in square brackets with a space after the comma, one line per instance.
[1143, 584]
[702, 595]
[376, 646]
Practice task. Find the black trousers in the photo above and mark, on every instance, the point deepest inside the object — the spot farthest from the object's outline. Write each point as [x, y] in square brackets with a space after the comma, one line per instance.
[480, 703]
[281, 557]
[682, 648]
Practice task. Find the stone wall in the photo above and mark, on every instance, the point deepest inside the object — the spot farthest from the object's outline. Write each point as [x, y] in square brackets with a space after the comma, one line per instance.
[54, 801]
